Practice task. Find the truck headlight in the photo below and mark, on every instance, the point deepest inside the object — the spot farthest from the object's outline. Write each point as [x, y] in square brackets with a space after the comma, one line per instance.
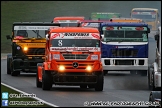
[25, 48]
[56, 56]
[61, 68]
[94, 57]
[89, 68]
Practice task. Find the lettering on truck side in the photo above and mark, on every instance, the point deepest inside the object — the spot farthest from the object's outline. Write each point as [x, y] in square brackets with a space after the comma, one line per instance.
[76, 34]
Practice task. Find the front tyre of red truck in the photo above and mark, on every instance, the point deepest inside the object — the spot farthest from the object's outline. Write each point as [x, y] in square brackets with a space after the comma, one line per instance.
[100, 83]
[46, 80]
[38, 83]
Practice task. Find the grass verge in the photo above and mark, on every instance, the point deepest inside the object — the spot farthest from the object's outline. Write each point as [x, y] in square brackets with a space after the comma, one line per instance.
[25, 100]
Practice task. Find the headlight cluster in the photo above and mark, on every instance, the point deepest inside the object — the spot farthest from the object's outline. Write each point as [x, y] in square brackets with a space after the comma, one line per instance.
[25, 48]
[89, 68]
[61, 68]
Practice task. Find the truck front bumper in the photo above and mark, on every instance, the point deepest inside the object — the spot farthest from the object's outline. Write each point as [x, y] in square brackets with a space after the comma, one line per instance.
[75, 78]
[124, 64]
[26, 65]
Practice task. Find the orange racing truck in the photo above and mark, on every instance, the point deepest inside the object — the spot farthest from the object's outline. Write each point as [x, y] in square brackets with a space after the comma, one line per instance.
[68, 21]
[28, 46]
[73, 57]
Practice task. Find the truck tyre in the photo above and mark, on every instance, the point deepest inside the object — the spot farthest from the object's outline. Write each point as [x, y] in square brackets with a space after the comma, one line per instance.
[152, 83]
[100, 83]
[154, 95]
[105, 72]
[14, 73]
[8, 64]
[38, 83]
[46, 80]
[84, 86]
[148, 79]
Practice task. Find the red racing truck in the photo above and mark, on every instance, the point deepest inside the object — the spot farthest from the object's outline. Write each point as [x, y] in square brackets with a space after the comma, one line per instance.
[68, 21]
[72, 57]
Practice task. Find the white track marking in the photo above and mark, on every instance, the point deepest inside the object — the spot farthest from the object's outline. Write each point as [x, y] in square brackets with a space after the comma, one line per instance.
[31, 97]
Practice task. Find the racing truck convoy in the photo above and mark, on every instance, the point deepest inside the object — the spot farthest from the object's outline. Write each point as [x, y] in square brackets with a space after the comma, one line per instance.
[154, 73]
[68, 21]
[73, 57]
[28, 44]
[125, 47]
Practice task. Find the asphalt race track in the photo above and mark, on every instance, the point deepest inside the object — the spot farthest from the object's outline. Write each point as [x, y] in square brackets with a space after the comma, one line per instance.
[117, 87]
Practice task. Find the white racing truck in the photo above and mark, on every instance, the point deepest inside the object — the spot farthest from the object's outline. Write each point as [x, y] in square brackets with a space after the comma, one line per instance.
[154, 73]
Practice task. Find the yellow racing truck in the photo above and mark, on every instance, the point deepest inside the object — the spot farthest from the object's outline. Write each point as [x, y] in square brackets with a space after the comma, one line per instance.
[28, 46]
[149, 15]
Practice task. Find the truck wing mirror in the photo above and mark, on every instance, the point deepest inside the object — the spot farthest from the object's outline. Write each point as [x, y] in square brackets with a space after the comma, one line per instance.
[102, 37]
[156, 37]
[8, 37]
[47, 36]
[148, 31]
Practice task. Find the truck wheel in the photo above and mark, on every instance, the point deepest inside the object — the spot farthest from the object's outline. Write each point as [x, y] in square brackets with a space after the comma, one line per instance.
[38, 83]
[84, 86]
[46, 80]
[15, 73]
[154, 95]
[152, 82]
[100, 83]
[148, 79]
[143, 73]
[8, 65]
[105, 72]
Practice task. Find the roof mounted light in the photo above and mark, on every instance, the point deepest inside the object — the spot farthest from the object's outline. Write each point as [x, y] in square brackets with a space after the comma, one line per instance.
[139, 28]
[110, 28]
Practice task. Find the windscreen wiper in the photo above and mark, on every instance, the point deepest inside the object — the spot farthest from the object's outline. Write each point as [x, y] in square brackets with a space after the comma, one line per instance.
[120, 40]
[107, 41]
[37, 33]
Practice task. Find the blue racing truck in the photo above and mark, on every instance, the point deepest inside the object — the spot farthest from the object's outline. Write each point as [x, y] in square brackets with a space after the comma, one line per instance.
[125, 47]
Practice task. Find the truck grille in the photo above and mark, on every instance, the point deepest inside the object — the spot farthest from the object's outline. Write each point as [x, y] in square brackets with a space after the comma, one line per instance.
[124, 52]
[36, 51]
[124, 62]
[75, 56]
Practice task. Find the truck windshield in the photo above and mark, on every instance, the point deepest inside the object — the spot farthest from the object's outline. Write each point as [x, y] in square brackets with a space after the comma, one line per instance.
[96, 16]
[75, 43]
[69, 24]
[146, 16]
[125, 36]
[90, 24]
[31, 31]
